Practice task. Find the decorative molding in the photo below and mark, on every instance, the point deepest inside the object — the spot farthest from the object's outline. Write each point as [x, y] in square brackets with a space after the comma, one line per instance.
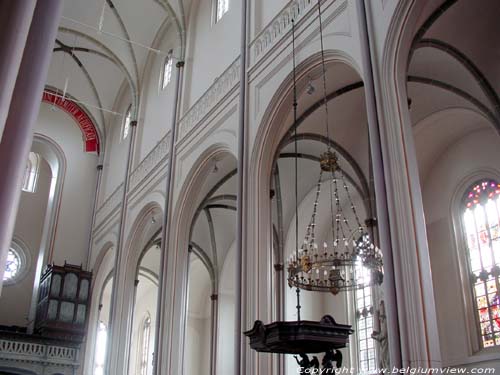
[158, 154]
[215, 93]
[37, 352]
[109, 206]
[213, 97]
[280, 25]
[146, 168]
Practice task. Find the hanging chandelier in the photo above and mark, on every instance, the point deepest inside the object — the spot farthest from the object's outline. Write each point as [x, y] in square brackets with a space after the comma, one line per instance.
[350, 260]
[342, 263]
[301, 336]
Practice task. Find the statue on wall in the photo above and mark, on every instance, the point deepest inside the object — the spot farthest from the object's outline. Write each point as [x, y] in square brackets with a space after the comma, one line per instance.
[380, 335]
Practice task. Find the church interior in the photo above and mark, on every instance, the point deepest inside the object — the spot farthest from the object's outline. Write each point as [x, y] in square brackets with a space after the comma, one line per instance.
[249, 187]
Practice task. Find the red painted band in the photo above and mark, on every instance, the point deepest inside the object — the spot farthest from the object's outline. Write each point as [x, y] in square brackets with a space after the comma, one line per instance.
[89, 132]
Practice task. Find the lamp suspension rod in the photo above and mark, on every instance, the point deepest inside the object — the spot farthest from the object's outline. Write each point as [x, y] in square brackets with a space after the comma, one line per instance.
[325, 99]
[100, 31]
[56, 94]
[296, 163]
[335, 222]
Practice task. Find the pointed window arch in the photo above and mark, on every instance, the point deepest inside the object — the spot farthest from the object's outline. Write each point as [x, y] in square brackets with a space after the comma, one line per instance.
[146, 336]
[367, 363]
[481, 220]
[100, 348]
[222, 6]
[126, 122]
[31, 173]
[167, 70]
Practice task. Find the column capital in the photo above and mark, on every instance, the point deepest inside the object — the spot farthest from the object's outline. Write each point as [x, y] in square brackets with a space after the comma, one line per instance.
[279, 267]
[100, 167]
[180, 64]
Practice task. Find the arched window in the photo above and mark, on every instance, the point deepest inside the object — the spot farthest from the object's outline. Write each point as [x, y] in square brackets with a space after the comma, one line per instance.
[364, 323]
[100, 348]
[18, 263]
[146, 335]
[480, 218]
[31, 173]
[221, 9]
[167, 70]
[126, 122]
[12, 266]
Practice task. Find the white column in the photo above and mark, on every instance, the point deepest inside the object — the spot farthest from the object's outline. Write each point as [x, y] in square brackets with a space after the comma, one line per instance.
[416, 310]
[24, 106]
[15, 18]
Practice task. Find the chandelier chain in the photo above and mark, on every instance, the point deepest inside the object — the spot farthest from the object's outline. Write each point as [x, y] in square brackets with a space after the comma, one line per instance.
[310, 233]
[353, 207]
[325, 99]
[296, 162]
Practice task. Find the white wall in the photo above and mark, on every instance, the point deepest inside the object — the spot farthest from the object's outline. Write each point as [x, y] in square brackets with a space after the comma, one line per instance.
[198, 330]
[145, 305]
[477, 151]
[16, 298]
[226, 318]
[264, 12]
[157, 104]
[75, 213]
[212, 47]
[115, 160]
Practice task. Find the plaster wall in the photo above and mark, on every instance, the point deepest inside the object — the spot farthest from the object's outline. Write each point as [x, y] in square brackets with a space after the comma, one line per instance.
[476, 154]
[157, 104]
[75, 212]
[207, 56]
[115, 160]
[145, 306]
[198, 328]
[16, 298]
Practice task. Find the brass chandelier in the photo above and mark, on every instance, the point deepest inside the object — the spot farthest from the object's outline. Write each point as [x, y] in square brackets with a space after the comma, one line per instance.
[351, 260]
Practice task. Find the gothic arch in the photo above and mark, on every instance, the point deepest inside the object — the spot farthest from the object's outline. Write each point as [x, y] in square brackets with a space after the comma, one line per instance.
[270, 134]
[177, 275]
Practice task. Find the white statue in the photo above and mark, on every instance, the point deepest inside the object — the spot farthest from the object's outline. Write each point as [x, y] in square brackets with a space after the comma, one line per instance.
[380, 335]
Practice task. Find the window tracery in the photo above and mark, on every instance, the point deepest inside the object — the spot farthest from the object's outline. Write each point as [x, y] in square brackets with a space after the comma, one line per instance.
[100, 348]
[364, 323]
[12, 266]
[222, 8]
[480, 218]
[144, 355]
[126, 122]
[167, 70]
[31, 173]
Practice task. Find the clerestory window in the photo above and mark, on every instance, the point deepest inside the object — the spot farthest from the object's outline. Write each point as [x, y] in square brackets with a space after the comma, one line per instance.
[480, 220]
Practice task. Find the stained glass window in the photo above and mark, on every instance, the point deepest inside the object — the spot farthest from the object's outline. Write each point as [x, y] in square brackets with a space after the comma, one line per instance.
[146, 333]
[222, 8]
[126, 122]
[100, 349]
[13, 265]
[167, 70]
[481, 218]
[364, 322]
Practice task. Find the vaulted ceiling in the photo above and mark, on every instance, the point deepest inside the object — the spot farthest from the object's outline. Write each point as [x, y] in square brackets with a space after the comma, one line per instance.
[103, 47]
[454, 75]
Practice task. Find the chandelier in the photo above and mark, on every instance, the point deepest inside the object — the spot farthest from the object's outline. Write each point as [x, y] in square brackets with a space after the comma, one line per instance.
[350, 260]
[332, 268]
